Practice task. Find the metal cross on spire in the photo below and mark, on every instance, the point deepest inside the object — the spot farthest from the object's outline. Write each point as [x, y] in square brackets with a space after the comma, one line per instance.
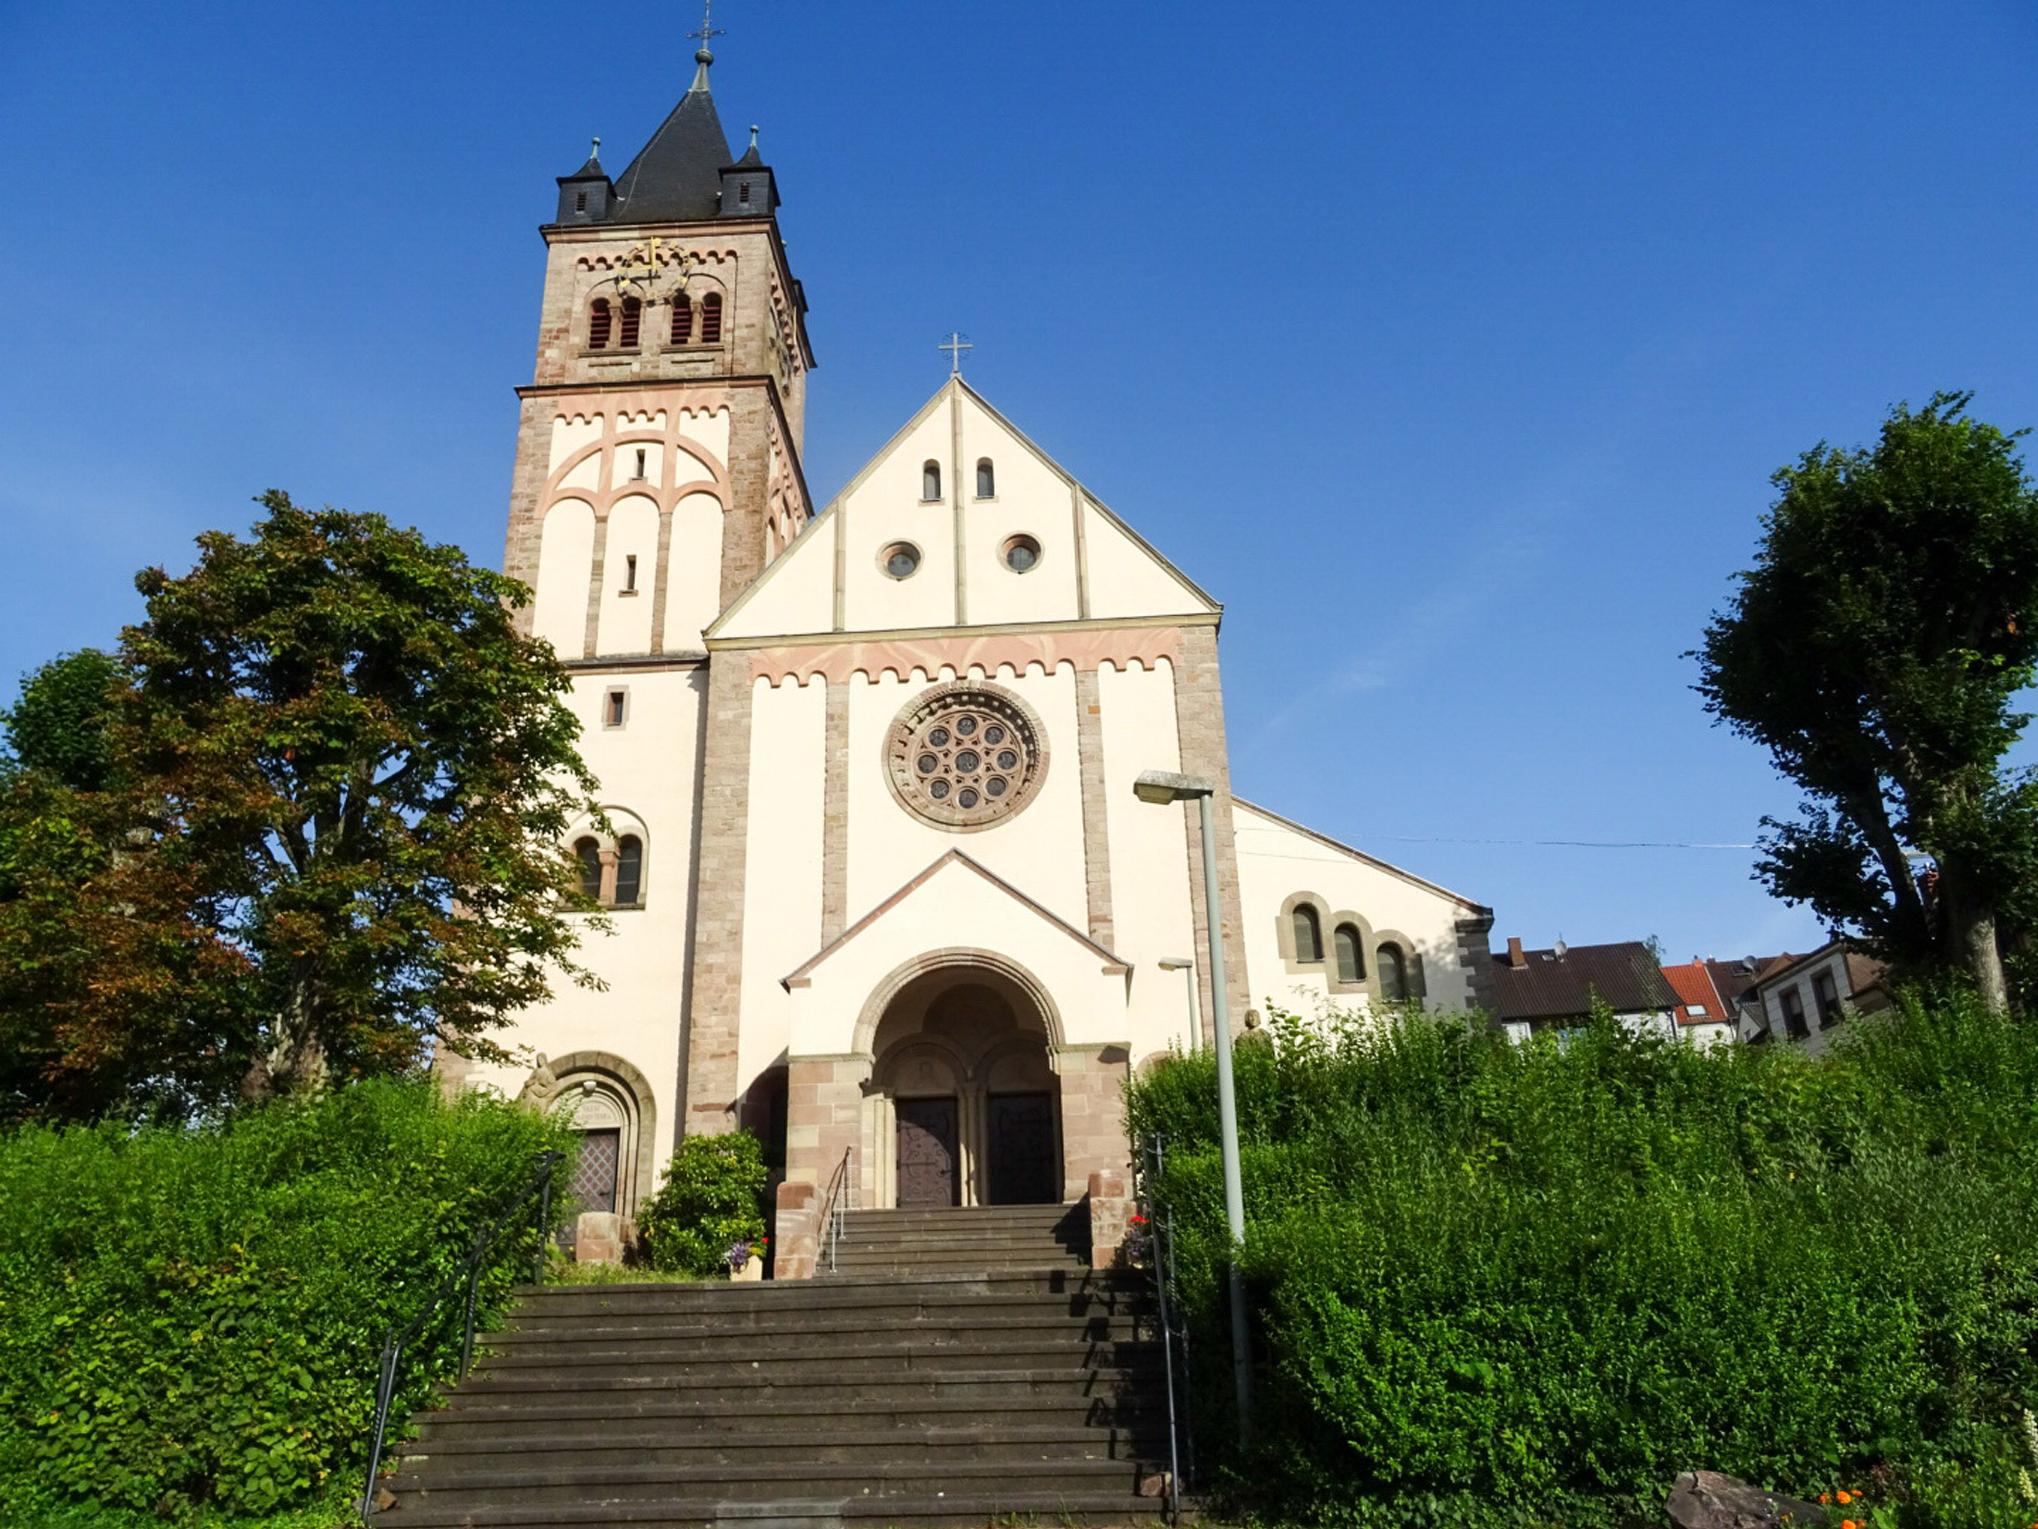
[707, 31]
[955, 345]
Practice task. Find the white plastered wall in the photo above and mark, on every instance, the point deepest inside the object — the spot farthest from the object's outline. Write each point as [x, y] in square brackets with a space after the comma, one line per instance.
[1276, 861]
[1152, 916]
[625, 625]
[782, 882]
[649, 768]
[565, 554]
[1032, 499]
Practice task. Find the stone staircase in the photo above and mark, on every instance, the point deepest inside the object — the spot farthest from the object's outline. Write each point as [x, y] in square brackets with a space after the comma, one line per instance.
[957, 1367]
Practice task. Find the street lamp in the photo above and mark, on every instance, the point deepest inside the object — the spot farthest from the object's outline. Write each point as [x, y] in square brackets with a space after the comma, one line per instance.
[1162, 788]
[1185, 964]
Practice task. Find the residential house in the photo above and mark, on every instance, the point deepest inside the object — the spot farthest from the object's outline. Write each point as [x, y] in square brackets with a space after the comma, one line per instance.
[1557, 988]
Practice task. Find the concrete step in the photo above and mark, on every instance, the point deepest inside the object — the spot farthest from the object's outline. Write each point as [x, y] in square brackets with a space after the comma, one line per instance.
[838, 1357]
[709, 1484]
[673, 1414]
[847, 1394]
[961, 1237]
[680, 1340]
[722, 1300]
[532, 1448]
[771, 1510]
[1023, 1213]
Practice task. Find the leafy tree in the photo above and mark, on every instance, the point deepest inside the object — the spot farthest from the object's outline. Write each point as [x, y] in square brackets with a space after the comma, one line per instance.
[58, 726]
[1875, 650]
[331, 786]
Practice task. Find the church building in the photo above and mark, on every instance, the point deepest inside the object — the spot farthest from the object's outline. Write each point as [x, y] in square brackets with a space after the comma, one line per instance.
[880, 887]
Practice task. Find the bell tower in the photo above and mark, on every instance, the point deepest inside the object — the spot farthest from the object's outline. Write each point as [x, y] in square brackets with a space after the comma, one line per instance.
[658, 445]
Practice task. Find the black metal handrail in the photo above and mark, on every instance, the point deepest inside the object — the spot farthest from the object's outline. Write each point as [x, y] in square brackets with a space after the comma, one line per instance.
[539, 1188]
[832, 1207]
[1160, 1258]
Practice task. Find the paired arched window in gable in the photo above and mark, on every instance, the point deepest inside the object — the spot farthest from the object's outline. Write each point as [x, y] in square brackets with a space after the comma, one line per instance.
[1393, 965]
[1308, 934]
[612, 870]
[987, 479]
[682, 319]
[1350, 948]
[930, 480]
[711, 319]
[601, 320]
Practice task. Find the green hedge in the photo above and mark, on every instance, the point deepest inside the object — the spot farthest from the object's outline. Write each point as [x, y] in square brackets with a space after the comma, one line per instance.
[713, 1196]
[190, 1319]
[1501, 1284]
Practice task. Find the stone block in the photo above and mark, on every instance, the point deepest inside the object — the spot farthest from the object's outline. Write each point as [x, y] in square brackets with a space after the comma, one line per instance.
[1110, 1202]
[599, 1237]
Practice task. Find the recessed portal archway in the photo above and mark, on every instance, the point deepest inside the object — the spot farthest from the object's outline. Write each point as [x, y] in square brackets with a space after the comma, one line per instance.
[963, 1105]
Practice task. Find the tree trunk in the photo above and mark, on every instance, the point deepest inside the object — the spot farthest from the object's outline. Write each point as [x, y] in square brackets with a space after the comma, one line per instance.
[296, 1063]
[1969, 936]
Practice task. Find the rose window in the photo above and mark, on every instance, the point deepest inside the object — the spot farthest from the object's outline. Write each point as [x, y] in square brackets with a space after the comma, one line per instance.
[965, 756]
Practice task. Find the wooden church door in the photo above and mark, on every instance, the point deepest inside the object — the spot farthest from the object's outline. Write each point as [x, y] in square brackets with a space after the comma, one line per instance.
[927, 1155]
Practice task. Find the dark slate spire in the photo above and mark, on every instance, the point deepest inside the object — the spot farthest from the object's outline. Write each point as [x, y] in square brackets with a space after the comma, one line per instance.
[677, 176]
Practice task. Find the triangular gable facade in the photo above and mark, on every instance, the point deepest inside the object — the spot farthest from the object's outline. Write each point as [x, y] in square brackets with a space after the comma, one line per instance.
[996, 532]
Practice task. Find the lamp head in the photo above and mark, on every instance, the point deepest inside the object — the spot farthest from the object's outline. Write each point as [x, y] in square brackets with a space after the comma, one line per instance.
[1176, 963]
[1161, 787]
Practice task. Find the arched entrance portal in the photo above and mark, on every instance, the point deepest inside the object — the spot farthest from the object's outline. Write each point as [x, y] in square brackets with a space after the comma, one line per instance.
[963, 1106]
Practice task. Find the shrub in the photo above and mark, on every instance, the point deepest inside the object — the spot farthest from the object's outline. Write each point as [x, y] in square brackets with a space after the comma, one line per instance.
[1512, 1284]
[192, 1317]
[713, 1195]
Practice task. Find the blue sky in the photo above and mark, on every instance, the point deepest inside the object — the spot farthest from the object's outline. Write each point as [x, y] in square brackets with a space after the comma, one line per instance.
[1450, 345]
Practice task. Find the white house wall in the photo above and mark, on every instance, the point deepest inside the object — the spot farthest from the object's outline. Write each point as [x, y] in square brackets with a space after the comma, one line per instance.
[782, 891]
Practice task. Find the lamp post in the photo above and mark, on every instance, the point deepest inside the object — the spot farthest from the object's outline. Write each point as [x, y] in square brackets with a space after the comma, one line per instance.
[1162, 788]
[1185, 964]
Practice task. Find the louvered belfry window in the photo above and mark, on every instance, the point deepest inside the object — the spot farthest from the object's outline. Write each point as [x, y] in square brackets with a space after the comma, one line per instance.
[711, 319]
[599, 321]
[633, 313]
[682, 320]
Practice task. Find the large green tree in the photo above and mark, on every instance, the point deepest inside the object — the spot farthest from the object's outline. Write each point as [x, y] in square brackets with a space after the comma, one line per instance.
[1877, 649]
[317, 828]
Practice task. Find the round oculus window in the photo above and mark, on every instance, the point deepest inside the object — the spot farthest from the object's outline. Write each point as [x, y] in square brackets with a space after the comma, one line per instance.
[965, 756]
[901, 560]
[1021, 554]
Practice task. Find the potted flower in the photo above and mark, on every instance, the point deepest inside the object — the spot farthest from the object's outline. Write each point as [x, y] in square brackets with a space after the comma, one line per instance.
[746, 1259]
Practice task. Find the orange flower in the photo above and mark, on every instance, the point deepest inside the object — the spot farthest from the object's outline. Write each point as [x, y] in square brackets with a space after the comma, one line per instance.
[1845, 1498]
[1824, 1498]
[1848, 1523]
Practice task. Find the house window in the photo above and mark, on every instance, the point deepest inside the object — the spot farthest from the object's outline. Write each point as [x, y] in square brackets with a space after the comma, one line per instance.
[682, 319]
[1793, 1014]
[930, 481]
[987, 479]
[1308, 935]
[588, 853]
[630, 573]
[711, 319]
[1351, 964]
[1826, 994]
[1393, 967]
[599, 321]
[615, 708]
[629, 870]
[633, 313]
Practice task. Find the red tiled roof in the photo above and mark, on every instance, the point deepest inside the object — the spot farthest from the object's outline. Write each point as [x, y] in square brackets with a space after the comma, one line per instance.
[1698, 999]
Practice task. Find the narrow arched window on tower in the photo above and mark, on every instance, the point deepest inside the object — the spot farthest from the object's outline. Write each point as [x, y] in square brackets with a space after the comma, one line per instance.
[599, 320]
[588, 853]
[987, 479]
[580, 201]
[743, 193]
[1308, 934]
[682, 320]
[930, 480]
[711, 319]
[1351, 964]
[629, 870]
[633, 314]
